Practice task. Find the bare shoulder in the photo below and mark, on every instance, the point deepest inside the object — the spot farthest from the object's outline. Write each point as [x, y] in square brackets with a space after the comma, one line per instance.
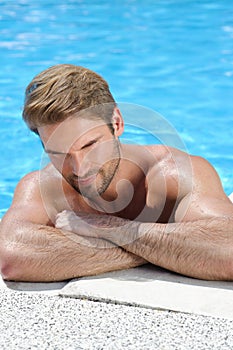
[169, 176]
[170, 163]
[191, 181]
[26, 188]
[206, 178]
[207, 198]
[163, 152]
[31, 200]
[30, 187]
[193, 171]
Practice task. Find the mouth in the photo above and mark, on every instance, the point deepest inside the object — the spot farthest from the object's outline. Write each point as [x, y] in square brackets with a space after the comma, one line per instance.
[86, 180]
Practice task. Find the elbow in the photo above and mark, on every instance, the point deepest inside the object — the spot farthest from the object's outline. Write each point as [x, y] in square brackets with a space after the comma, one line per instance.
[15, 264]
[10, 267]
[7, 271]
[9, 258]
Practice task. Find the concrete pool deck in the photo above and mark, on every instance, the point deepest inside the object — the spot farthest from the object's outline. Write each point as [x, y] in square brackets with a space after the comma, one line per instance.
[38, 316]
[30, 320]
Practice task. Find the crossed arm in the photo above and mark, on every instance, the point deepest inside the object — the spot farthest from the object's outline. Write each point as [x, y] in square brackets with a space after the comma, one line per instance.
[199, 244]
[40, 253]
[200, 249]
[31, 249]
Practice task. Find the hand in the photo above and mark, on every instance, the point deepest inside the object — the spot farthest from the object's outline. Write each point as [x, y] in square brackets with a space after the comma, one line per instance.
[90, 225]
[70, 221]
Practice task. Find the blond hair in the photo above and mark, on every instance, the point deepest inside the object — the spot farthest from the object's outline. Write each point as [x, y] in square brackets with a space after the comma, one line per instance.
[64, 90]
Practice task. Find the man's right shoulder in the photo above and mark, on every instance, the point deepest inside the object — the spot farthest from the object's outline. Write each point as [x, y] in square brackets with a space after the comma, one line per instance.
[33, 197]
[46, 175]
[28, 182]
[30, 178]
[33, 186]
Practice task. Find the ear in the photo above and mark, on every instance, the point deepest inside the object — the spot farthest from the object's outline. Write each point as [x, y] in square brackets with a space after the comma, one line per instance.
[117, 122]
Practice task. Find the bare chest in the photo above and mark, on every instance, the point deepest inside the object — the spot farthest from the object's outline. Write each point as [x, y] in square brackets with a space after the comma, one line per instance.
[141, 207]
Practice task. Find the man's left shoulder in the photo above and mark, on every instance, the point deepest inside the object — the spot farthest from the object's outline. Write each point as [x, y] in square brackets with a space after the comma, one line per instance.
[170, 158]
[162, 151]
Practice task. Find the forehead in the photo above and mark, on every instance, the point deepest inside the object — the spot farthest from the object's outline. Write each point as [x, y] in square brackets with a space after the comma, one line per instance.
[61, 136]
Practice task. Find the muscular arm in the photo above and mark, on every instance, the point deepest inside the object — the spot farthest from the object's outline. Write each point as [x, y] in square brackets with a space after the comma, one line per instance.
[41, 253]
[31, 250]
[200, 249]
[200, 241]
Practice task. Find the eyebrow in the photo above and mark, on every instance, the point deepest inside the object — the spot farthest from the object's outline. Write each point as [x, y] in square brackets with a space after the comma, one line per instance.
[59, 152]
[53, 152]
[49, 150]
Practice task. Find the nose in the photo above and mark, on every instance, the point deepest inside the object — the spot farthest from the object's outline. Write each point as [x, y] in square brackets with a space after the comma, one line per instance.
[79, 166]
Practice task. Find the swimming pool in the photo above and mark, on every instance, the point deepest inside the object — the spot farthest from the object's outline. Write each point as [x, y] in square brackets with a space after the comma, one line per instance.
[172, 56]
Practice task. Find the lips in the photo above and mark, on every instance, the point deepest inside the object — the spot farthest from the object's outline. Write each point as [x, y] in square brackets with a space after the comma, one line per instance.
[87, 180]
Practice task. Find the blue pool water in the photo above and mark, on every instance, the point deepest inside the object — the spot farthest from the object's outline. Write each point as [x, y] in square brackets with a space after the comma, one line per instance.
[172, 56]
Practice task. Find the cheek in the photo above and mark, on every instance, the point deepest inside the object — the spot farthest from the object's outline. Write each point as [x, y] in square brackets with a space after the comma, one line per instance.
[61, 164]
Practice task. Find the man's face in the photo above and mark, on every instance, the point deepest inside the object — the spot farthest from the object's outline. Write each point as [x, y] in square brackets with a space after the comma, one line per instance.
[84, 151]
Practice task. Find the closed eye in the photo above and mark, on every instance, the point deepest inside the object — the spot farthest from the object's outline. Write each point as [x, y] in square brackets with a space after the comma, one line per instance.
[54, 152]
[89, 144]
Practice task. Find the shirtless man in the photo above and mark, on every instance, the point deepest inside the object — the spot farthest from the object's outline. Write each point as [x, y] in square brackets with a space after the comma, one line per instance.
[101, 205]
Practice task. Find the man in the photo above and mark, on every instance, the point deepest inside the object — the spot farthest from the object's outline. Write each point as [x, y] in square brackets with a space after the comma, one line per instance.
[101, 205]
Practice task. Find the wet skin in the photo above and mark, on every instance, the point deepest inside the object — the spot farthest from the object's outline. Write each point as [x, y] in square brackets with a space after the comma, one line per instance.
[175, 200]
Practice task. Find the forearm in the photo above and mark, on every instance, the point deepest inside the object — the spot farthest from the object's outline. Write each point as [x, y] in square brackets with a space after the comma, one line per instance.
[32, 252]
[201, 249]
